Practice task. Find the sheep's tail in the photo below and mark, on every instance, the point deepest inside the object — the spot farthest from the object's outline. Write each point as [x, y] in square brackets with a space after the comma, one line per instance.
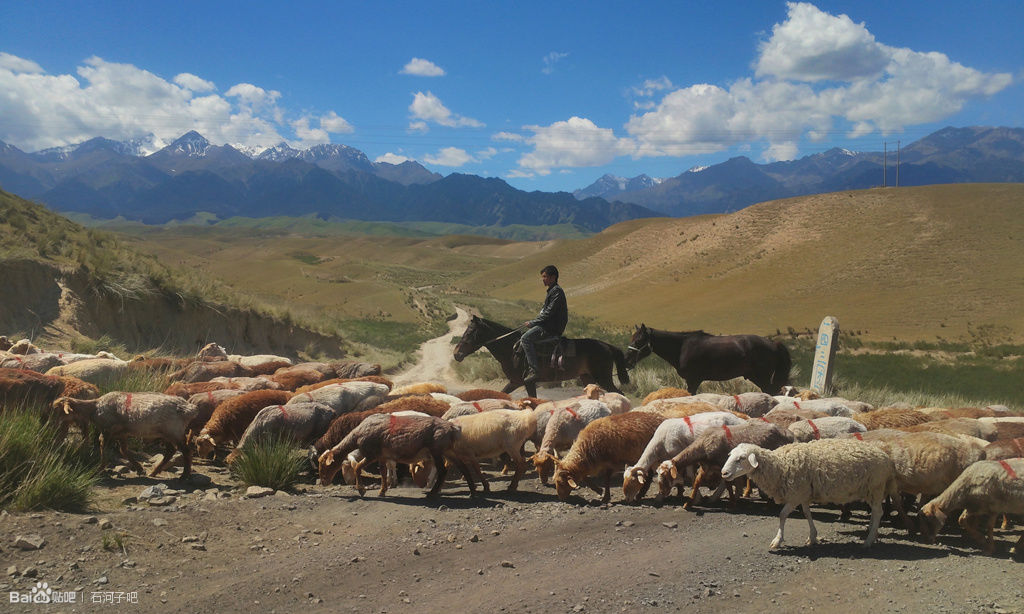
[620, 364]
[780, 377]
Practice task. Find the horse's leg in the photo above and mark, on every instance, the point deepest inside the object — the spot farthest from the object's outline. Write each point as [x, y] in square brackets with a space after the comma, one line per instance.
[510, 386]
[531, 389]
[694, 385]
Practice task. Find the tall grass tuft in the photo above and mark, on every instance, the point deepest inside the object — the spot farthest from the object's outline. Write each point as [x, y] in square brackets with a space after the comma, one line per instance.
[135, 381]
[39, 472]
[274, 462]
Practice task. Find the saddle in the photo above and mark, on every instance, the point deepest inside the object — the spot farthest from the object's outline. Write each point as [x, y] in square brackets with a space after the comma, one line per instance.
[558, 348]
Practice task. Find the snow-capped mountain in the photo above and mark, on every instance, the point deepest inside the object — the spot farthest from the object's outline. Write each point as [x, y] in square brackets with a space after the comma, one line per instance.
[278, 153]
[610, 185]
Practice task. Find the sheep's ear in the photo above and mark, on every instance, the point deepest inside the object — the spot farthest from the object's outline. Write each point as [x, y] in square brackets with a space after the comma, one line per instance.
[67, 408]
[573, 484]
[752, 459]
[327, 458]
[674, 472]
[640, 477]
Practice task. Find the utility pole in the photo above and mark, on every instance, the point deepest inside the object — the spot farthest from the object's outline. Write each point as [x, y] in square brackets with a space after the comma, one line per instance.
[885, 159]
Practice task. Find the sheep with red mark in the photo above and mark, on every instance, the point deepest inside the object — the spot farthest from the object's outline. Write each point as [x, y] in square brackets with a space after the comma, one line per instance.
[785, 417]
[230, 419]
[205, 403]
[202, 371]
[488, 435]
[401, 439]
[671, 438]
[615, 401]
[468, 408]
[40, 363]
[828, 427]
[710, 450]
[342, 398]
[834, 471]
[344, 423]
[476, 394]
[603, 448]
[561, 428]
[1002, 449]
[301, 423]
[985, 489]
[144, 415]
[832, 406]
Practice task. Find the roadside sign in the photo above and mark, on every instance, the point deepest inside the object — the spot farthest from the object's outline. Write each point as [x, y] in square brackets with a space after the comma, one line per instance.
[824, 355]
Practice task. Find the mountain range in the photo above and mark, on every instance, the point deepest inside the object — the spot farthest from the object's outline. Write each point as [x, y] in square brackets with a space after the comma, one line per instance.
[107, 179]
[951, 155]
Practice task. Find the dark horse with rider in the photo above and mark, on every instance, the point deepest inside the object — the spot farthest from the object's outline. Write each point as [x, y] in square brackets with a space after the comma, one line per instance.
[536, 351]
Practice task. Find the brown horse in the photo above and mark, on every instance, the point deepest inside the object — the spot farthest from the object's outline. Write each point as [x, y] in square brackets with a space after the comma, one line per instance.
[698, 356]
[592, 361]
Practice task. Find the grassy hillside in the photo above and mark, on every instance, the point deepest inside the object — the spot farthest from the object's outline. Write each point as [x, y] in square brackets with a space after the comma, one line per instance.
[931, 263]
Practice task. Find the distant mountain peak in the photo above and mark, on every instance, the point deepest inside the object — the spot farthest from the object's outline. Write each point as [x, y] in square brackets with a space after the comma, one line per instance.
[191, 145]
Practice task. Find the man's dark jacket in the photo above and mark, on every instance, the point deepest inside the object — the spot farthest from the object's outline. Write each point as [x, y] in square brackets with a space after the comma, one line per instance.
[554, 315]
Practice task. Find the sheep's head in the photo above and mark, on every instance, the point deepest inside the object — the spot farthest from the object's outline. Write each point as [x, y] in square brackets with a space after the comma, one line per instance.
[544, 463]
[931, 518]
[665, 477]
[564, 482]
[593, 391]
[742, 460]
[421, 472]
[633, 481]
[205, 445]
[328, 467]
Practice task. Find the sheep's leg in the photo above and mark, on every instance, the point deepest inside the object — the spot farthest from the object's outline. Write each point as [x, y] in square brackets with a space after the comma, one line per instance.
[876, 519]
[357, 471]
[1007, 525]
[812, 539]
[186, 455]
[749, 489]
[122, 446]
[474, 466]
[520, 462]
[442, 470]
[607, 496]
[166, 460]
[901, 512]
[387, 469]
[786, 510]
[695, 490]
[990, 544]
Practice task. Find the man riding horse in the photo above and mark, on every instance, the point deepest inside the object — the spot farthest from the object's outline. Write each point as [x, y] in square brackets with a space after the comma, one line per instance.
[550, 322]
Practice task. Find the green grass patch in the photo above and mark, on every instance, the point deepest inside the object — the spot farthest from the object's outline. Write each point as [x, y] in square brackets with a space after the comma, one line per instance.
[403, 337]
[39, 472]
[274, 462]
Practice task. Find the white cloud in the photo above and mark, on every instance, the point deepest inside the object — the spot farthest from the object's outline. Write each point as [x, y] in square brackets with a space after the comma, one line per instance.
[422, 68]
[650, 87]
[508, 136]
[194, 83]
[813, 46]
[429, 108]
[122, 101]
[15, 64]
[819, 69]
[332, 122]
[551, 59]
[485, 154]
[572, 143]
[449, 156]
[392, 158]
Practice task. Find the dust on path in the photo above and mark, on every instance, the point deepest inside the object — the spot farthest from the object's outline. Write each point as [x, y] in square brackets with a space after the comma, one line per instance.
[435, 356]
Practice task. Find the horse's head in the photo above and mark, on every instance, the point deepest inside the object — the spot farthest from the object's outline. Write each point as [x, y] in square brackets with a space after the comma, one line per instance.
[472, 339]
[639, 346]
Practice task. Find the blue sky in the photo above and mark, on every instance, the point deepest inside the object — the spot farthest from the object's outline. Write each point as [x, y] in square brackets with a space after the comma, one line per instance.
[546, 95]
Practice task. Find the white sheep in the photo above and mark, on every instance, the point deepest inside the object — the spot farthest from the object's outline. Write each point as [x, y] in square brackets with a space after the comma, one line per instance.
[469, 408]
[829, 427]
[342, 398]
[834, 471]
[832, 406]
[986, 488]
[561, 428]
[671, 438]
[98, 371]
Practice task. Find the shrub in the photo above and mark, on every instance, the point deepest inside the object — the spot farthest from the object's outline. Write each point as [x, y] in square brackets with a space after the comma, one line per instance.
[37, 471]
[274, 462]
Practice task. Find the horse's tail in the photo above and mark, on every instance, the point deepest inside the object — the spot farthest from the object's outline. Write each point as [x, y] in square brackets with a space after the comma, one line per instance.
[620, 364]
[782, 365]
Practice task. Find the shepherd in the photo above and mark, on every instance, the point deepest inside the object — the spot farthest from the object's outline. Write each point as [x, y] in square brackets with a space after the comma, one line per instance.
[550, 322]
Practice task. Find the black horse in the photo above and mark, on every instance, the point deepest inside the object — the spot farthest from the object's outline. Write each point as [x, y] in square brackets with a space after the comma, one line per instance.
[592, 360]
[698, 356]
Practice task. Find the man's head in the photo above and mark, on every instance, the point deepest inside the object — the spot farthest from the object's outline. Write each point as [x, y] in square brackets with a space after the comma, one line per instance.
[549, 275]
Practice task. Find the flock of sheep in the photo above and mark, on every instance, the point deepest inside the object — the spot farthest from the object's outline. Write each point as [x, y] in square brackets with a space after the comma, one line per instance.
[797, 450]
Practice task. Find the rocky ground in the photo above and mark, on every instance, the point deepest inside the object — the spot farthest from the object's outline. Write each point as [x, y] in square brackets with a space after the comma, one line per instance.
[209, 545]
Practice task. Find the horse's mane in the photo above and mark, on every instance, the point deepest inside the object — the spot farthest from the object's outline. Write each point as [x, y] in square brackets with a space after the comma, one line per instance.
[680, 334]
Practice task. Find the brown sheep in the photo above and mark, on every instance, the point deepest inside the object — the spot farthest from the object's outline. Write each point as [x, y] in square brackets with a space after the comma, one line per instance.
[939, 413]
[232, 417]
[353, 369]
[605, 446]
[377, 379]
[303, 374]
[891, 418]
[955, 426]
[200, 371]
[666, 393]
[343, 424]
[183, 390]
[1002, 449]
[476, 394]
[206, 402]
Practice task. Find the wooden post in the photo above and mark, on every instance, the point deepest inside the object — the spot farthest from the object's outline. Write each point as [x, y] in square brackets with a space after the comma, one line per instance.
[824, 353]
